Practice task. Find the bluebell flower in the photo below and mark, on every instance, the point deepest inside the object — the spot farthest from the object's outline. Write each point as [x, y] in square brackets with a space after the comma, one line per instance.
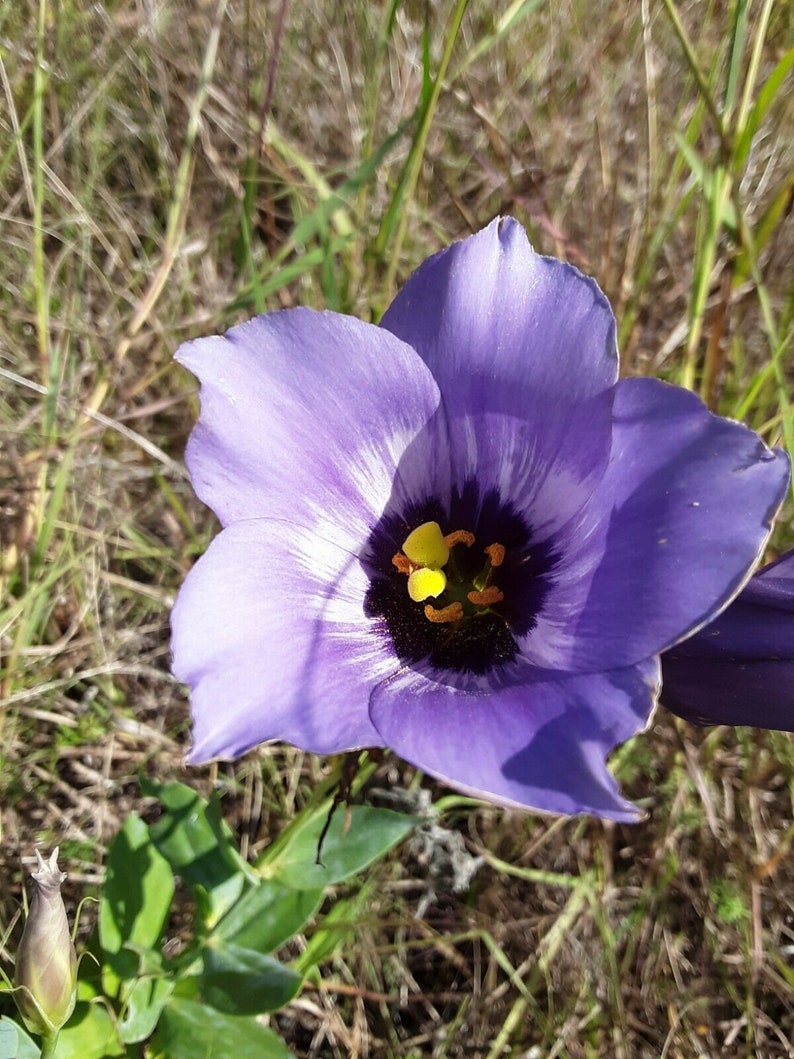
[457, 534]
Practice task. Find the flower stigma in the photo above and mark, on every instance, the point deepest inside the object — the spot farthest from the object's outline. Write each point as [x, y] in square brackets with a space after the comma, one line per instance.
[426, 550]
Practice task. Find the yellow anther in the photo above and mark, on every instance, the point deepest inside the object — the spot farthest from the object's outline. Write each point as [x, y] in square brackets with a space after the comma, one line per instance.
[425, 546]
[424, 583]
[487, 597]
[425, 551]
[454, 612]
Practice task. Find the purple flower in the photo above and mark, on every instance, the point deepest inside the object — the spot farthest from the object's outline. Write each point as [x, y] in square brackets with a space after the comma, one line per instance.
[570, 528]
[740, 668]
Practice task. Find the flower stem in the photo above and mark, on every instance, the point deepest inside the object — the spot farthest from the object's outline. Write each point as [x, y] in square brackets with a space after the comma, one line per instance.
[48, 1045]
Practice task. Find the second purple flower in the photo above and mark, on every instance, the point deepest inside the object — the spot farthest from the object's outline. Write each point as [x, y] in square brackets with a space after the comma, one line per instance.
[457, 535]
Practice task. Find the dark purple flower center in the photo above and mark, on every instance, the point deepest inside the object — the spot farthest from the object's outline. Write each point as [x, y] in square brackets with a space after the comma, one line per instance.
[460, 612]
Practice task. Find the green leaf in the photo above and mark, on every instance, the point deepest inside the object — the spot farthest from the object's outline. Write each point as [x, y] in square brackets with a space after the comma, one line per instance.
[8, 1039]
[335, 928]
[772, 86]
[736, 39]
[189, 1030]
[15, 1043]
[89, 1034]
[243, 982]
[706, 178]
[316, 222]
[272, 281]
[293, 862]
[135, 903]
[198, 845]
[267, 916]
[144, 1004]
[768, 223]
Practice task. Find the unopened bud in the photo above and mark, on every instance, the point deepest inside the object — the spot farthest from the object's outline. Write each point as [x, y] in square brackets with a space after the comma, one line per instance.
[46, 964]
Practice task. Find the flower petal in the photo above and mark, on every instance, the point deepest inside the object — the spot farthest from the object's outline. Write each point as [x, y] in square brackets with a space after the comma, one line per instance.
[538, 744]
[667, 538]
[305, 416]
[543, 478]
[269, 632]
[508, 333]
[503, 328]
[740, 668]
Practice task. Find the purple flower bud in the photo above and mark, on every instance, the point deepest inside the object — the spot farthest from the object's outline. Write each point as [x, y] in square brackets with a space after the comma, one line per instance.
[46, 964]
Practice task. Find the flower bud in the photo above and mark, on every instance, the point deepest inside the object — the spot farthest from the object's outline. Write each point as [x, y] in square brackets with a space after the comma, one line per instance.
[46, 964]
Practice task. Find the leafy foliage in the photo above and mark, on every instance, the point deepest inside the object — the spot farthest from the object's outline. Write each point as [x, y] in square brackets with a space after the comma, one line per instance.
[206, 999]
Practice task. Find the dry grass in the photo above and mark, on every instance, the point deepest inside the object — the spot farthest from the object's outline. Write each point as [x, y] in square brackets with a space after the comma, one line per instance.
[153, 188]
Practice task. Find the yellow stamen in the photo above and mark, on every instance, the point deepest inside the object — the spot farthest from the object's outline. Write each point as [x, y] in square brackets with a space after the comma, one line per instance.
[454, 612]
[487, 597]
[425, 546]
[425, 582]
[425, 551]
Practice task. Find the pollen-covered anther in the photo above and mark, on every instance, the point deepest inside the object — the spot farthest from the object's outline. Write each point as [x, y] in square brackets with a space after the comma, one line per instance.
[496, 553]
[446, 615]
[459, 537]
[403, 563]
[487, 597]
